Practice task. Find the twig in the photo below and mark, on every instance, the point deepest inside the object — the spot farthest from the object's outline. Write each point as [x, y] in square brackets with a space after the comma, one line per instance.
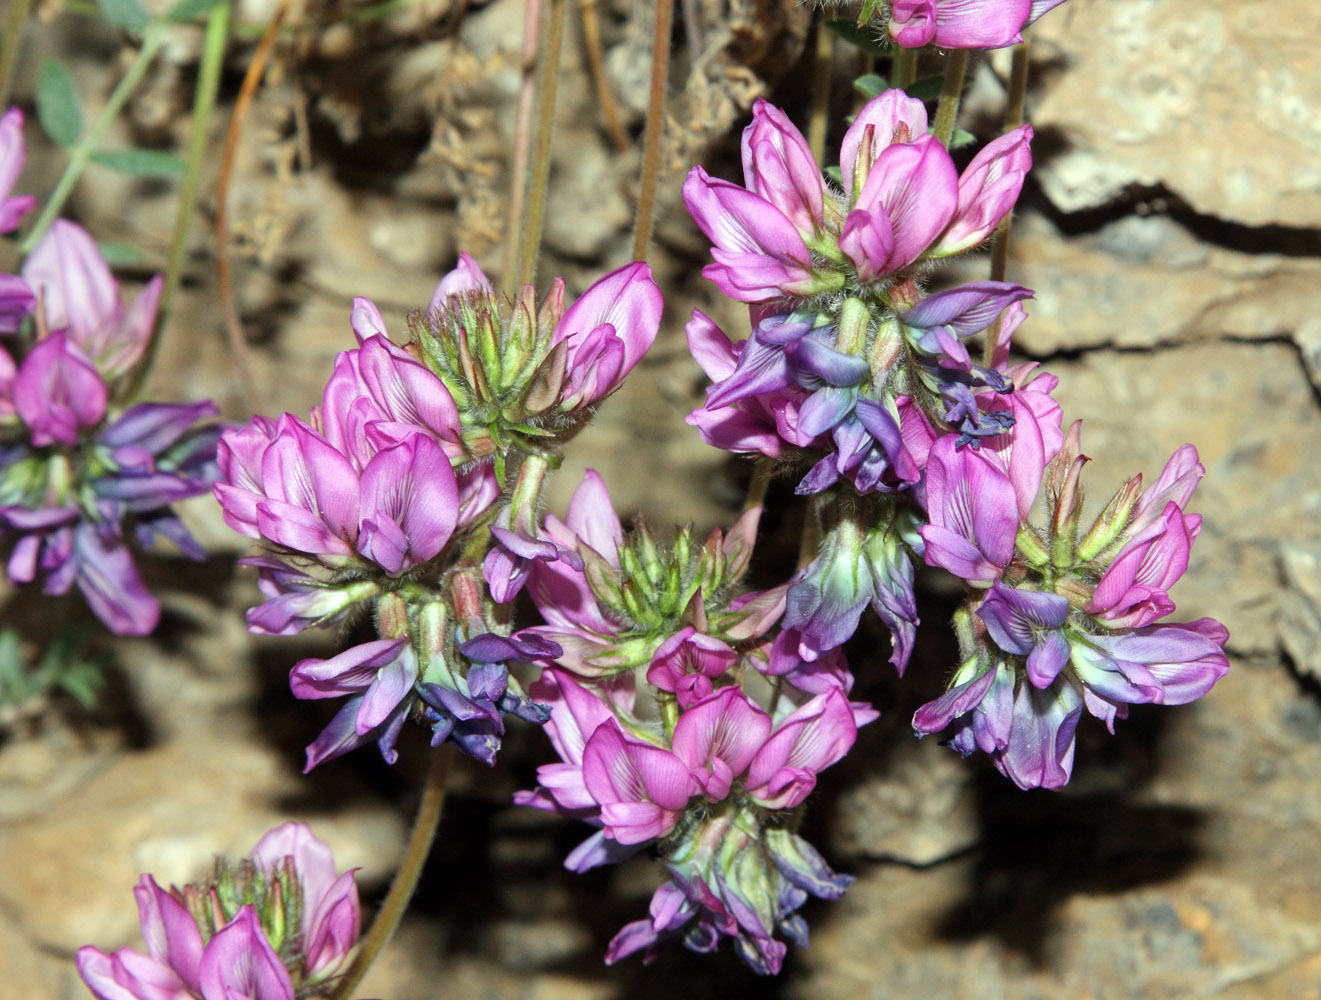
[536, 211]
[951, 90]
[224, 270]
[596, 64]
[522, 144]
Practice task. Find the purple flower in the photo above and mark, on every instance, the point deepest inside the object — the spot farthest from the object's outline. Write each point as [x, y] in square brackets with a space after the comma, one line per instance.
[988, 188]
[1029, 623]
[240, 937]
[973, 512]
[686, 662]
[13, 154]
[378, 676]
[80, 297]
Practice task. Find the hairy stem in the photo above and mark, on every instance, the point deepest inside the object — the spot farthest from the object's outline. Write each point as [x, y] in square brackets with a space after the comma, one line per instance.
[825, 57]
[522, 144]
[903, 71]
[761, 480]
[81, 153]
[536, 213]
[204, 102]
[1000, 241]
[405, 879]
[14, 19]
[660, 75]
[947, 109]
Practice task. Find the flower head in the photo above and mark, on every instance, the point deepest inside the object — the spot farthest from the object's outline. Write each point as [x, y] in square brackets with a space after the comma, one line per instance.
[274, 927]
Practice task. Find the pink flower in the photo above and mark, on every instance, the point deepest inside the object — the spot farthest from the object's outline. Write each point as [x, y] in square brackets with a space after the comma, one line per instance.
[13, 154]
[58, 393]
[963, 24]
[640, 787]
[784, 235]
[783, 772]
[237, 960]
[80, 297]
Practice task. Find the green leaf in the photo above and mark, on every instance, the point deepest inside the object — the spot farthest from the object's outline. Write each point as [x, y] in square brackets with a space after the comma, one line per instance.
[928, 88]
[84, 681]
[146, 162]
[127, 14]
[119, 254]
[57, 104]
[961, 138]
[869, 85]
[861, 37]
[186, 10]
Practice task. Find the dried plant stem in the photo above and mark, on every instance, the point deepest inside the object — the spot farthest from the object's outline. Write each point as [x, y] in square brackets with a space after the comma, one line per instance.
[405, 879]
[518, 181]
[14, 20]
[825, 58]
[80, 154]
[540, 183]
[903, 71]
[660, 75]
[204, 102]
[596, 64]
[1000, 241]
[224, 271]
[951, 90]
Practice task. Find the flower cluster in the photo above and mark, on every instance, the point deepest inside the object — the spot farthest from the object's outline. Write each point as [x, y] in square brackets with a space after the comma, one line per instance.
[1061, 620]
[848, 355]
[397, 489]
[81, 471]
[713, 784]
[276, 926]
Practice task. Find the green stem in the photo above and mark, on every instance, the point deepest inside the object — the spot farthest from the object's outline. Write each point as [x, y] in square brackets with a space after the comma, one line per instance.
[522, 144]
[527, 263]
[81, 153]
[405, 880]
[951, 90]
[14, 19]
[825, 57]
[1000, 241]
[903, 71]
[204, 102]
[651, 147]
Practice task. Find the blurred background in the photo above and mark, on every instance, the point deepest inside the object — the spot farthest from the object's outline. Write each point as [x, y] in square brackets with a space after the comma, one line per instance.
[1172, 231]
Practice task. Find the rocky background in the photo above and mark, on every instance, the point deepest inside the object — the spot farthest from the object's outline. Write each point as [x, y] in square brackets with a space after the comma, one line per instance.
[1172, 230]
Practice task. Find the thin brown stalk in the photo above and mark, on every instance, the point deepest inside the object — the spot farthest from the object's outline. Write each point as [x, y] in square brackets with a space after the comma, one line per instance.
[522, 143]
[762, 473]
[405, 879]
[596, 65]
[540, 183]
[660, 75]
[224, 271]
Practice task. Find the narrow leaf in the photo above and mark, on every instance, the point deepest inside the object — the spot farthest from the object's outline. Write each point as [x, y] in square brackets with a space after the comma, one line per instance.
[127, 14]
[146, 162]
[186, 10]
[57, 104]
